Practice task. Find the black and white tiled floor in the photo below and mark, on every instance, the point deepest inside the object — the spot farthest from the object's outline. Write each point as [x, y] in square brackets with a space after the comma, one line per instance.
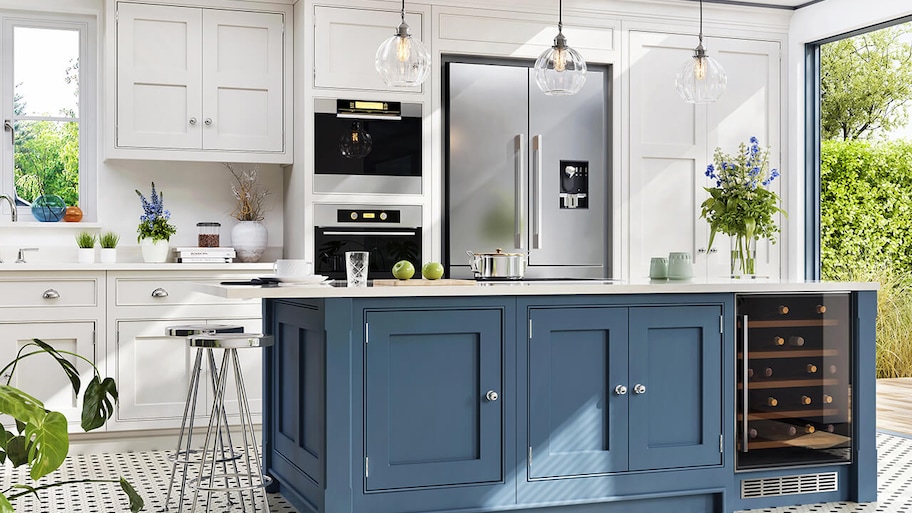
[149, 472]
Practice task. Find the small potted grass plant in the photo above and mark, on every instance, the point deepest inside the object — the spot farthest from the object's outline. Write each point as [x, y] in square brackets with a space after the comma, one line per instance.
[108, 242]
[86, 251]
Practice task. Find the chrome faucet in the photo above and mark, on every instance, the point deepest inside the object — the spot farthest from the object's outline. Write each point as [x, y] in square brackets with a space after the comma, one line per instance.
[13, 215]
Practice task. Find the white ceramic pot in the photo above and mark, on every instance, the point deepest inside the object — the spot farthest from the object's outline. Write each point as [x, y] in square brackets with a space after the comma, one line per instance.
[249, 240]
[85, 255]
[108, 255]
[154, 251]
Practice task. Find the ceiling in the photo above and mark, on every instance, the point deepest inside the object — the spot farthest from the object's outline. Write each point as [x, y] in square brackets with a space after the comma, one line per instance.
[778, 4]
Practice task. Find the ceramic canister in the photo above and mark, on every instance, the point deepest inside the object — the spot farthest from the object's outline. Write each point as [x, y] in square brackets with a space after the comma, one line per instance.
[680, 265]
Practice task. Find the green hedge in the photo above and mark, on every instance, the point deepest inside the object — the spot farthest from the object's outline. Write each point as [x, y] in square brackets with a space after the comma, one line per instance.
[865, 206]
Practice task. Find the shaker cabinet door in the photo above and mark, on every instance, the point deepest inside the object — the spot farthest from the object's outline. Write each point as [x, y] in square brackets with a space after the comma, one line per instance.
[577, 422]
[431, 414]
[675, 396]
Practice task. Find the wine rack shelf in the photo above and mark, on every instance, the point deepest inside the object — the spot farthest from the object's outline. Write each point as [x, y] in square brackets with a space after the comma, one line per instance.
[792, 379]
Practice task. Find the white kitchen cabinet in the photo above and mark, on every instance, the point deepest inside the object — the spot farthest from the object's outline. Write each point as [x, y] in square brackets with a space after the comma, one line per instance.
[153, 373]
[346, 41]
[153, 370]
[202, 84]
[672, 142]
[39, 375]
[64, 309]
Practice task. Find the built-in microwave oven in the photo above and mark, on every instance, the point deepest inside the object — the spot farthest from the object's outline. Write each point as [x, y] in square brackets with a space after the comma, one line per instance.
[367, 147]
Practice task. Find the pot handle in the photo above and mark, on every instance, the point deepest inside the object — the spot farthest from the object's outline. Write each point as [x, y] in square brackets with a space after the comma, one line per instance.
[473, 261]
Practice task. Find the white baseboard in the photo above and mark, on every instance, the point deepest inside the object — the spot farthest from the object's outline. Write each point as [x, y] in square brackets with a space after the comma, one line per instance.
[132, 441]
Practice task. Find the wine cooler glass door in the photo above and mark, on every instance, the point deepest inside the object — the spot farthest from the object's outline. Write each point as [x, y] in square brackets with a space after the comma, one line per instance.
[794, 380]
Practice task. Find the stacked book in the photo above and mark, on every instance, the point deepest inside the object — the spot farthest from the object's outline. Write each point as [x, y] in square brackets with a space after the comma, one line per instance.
[206, 255]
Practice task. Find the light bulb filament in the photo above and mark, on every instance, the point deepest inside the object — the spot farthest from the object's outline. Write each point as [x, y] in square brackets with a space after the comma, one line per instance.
[560, 60]
[699, 68]
[404, 48]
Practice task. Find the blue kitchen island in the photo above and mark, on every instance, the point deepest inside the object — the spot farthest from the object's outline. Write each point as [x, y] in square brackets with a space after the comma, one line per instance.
[568, 397]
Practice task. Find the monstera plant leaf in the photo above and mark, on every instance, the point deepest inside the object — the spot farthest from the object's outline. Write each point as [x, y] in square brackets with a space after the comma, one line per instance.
[98, 403]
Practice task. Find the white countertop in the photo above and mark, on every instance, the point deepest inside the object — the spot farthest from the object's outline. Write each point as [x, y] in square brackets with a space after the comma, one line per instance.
[529, 288]
[256, 268]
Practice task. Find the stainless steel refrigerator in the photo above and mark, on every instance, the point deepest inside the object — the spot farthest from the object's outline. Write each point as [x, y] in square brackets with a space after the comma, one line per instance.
[526, 171]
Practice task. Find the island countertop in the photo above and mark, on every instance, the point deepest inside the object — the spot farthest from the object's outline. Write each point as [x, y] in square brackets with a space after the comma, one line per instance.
[531, 288]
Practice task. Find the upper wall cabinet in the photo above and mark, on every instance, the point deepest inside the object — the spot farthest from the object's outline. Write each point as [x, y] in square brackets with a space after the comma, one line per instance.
[201, 84]
[346, 42]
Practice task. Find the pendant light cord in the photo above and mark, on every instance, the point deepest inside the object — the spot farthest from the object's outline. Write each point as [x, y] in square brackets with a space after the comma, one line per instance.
[403, 12]
[560, 15]
[701, 20]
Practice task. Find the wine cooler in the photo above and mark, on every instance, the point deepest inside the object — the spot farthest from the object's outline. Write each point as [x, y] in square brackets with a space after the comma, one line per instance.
[794, 389]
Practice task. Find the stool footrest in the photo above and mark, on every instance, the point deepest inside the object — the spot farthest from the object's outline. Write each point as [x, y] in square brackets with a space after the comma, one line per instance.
[251, 482]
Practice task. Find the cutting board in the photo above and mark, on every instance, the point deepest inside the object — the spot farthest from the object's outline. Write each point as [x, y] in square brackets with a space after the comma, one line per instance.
[420, 282]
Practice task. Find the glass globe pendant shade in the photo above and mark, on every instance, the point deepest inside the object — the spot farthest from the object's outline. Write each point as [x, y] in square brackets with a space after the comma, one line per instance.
[403, 61]
[357, 143]
[701, 79]
[560, 70]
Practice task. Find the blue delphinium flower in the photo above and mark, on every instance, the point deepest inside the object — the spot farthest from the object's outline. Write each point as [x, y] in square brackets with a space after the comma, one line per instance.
[153, 223]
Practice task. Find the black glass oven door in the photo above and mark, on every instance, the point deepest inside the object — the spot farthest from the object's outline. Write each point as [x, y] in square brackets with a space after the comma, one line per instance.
[386, 246]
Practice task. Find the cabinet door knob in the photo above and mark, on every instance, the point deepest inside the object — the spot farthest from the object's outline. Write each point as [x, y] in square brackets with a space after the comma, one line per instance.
[208, 121]
[639, 389]
[159, 292]
[50, 294]
[620, 390]
[491, 396]
[192, 121]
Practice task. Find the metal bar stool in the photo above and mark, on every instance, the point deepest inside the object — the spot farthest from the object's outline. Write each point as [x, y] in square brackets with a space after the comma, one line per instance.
[185, 453]
[250, 478]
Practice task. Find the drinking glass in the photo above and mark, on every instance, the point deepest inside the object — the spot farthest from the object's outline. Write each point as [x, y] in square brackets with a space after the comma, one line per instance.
[356, 268]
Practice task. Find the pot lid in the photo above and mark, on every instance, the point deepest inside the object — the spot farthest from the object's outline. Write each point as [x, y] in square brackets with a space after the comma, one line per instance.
[498, 252]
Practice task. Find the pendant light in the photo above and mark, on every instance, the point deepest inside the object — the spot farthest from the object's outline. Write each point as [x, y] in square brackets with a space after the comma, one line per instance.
[401, 60]
[701, 79]
[356, 143]
[560, 70]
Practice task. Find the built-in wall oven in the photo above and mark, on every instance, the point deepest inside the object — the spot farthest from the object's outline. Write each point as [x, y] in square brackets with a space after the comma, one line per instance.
[390, 233]
[367, 147]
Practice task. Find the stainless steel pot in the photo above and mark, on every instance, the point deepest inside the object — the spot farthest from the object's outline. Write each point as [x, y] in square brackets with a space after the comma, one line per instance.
[497, 265]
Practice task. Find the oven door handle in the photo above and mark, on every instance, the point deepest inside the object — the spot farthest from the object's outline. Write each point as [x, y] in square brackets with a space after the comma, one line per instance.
[369, 233]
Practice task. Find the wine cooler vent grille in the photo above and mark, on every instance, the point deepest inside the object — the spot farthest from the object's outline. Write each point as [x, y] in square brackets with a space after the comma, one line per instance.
[788, 485]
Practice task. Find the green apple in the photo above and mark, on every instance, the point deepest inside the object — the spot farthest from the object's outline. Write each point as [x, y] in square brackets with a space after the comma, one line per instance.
[432, 270]
[403, 270]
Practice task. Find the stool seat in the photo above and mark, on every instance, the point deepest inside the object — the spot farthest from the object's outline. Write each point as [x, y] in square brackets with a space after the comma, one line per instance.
[188, 330]
[231, 340]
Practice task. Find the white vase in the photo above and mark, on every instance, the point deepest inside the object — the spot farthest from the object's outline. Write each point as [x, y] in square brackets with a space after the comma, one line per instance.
[154, 251]
[85, 255]
[249, 240]
[108, 255]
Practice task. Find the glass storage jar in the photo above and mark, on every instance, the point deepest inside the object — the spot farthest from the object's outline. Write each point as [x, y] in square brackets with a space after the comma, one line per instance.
[208, 235]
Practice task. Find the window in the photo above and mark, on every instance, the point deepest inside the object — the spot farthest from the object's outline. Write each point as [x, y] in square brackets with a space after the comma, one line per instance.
[48, 108]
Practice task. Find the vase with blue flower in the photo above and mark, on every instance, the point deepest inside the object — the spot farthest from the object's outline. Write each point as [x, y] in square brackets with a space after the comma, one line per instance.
[742, 205]
[154, 229]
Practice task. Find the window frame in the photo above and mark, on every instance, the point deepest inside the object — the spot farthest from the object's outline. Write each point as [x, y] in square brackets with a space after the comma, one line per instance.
[87, 27]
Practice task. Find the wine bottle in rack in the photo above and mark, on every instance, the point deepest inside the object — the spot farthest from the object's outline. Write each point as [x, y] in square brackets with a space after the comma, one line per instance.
[772, 430]
[811, 368]
[783, 310]
[772, 401]
[821, 309]
[796, 341]
[808, 429]
[805, 400]
[778, 341]
[827, 399]
[766, 372]
[832, 369]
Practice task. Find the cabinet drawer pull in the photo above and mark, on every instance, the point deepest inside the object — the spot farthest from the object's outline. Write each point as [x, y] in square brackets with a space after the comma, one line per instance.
[50, 294]
[491, 396]
[159, 292]
[639, 389]
[620, 390]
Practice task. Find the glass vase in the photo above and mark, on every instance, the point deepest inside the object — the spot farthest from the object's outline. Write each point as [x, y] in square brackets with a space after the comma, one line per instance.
[48, 208]
[743, 256]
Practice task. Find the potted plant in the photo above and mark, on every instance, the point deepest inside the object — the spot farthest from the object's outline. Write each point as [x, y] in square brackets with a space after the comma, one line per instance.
[41, 438]
[154, 229]
[741, 204]
[249, 236]
[108, 242]
[86, 251]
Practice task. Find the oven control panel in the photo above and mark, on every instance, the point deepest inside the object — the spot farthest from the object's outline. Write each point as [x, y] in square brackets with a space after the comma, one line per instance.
[367, 216]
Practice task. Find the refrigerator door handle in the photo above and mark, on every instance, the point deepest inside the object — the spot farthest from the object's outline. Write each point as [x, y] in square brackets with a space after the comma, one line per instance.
[537, 177]
[519, 169]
